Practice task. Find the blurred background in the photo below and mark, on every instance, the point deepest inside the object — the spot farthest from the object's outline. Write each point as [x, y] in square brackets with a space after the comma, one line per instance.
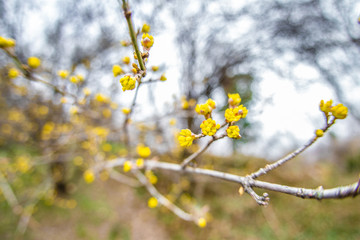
[282, 56]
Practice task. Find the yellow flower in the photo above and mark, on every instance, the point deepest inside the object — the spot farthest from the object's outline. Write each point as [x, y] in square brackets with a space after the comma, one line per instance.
[117, 70]
[63, 73]
[326, 107]
[34, 62]
[126, 60]
[151, 177]
[233, 132]
[209, 127]
[172, 122]
[126, 111]
[319, 133]
[78, 161]
[145, 28]
[23, 163]
[101, 98]
[339, 111]
[63, 100]
[163, 78]
[127, 83]
[234, 114]
[74, 110]
[234, 99]
[80, 77]
[13, 73]
[147, 41]
[184, 103]
[155, 68]
[201, 222]
[211, 103]
[107, 147]
[205, 109]
[106, 113]
[143, 151]
[124, 43]
[7, 42]
[186, 137]
[140, 162]
[89, 176]
[152, 202]
[74, 79]
[86, 91]
[127, 166]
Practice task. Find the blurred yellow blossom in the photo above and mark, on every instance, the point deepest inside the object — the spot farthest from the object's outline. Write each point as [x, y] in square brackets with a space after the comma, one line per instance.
[145, 28]
[34, 62]
[152, 202]
[13, 73]
[117, 70]
[126, 60]
[143, 151]
[63, 73]
[127, 166]
[89, 176]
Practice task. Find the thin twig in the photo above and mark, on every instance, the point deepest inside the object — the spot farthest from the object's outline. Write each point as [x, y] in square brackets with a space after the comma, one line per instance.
[161, 199]
[288, 157]
[187, 160]
[127, 14]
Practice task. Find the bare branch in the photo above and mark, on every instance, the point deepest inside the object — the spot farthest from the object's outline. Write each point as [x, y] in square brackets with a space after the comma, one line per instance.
[8, 192]
[162, 200]
[269, 167]
[351, 190]
[200, 151]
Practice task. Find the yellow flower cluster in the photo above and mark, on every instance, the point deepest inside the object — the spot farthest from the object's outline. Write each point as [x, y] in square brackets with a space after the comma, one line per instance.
[127, 166]
[152, 202]
[233, 132]
[209, 127]
[147, 41]
[319, 133]
[234, 99]
[206, 109]
[234, 114]
[155, 68]
[126, 111]
[145, 28]
[13, 73]
[339, 111]
[34, 62]
[201, 222]
[117, 70]
[326, 107]
[63, 73]
[86, 91]
[102, 98]
[143, 151]
[163, 77]
[127, 83]
[89, 176]
[151, 176]
[126, 60]
[7, 42]
[186, 137]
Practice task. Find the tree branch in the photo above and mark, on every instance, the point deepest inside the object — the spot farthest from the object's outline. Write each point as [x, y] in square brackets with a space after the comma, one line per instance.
[351, 190]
